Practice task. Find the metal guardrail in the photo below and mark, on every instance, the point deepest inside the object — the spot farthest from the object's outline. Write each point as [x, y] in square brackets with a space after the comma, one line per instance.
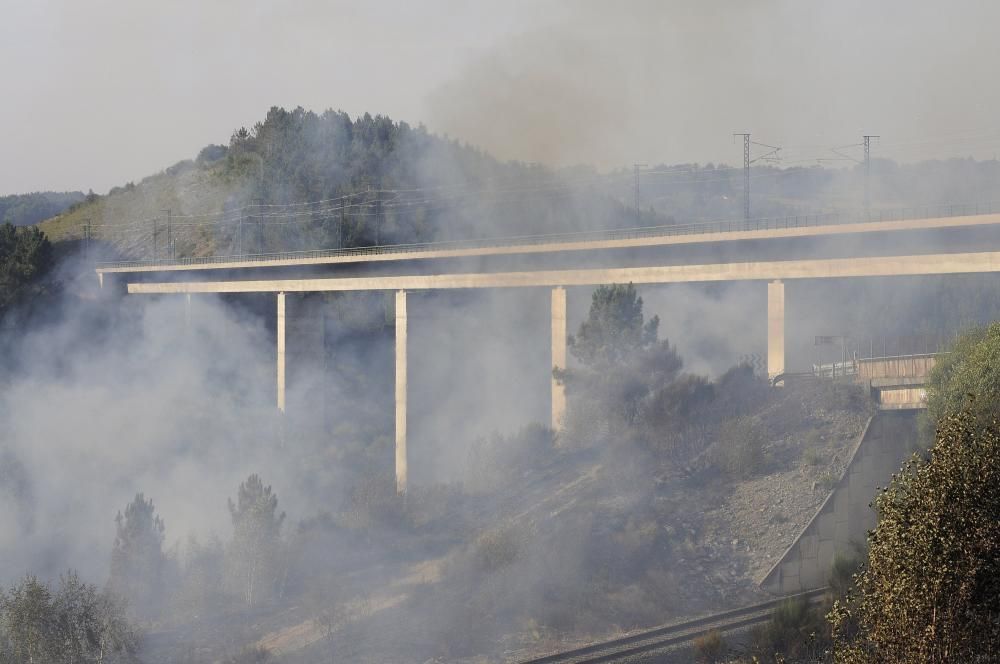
[835, 369]
[700, 228]
[678, 634]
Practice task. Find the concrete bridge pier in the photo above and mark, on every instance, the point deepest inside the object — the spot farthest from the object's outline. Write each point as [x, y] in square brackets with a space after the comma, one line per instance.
[401, 391]
[281, 352]
[558, 357]
[775, 328]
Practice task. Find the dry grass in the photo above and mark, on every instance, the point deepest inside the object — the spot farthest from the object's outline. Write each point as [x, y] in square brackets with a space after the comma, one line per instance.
[124, 218]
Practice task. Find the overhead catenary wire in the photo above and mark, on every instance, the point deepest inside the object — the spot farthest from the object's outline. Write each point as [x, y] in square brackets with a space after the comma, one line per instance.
[511, 189]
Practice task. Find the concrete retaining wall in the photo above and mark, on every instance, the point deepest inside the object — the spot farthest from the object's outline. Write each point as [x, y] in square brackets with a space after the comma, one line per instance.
[842, 522]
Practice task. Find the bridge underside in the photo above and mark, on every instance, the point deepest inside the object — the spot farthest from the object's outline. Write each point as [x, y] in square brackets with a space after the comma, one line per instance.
[913, 265]
[774, 273]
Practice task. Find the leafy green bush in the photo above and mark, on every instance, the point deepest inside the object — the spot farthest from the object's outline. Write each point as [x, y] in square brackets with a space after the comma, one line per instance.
[710, 647]
[966, 377]
[795, 632]
[846, 395]
[931, 590]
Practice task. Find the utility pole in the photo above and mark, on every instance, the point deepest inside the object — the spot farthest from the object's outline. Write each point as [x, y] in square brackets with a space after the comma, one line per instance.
[155, 252]
[378, 214]
[746, 175]
[638, 167]
[868, 173]
[260, 225]
[239, 235]
[170, 240]
[767, 156]
[343, 214]
[86, 237]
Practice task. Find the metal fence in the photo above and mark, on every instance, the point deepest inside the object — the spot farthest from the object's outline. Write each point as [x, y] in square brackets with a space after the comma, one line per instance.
[701, 228]
[835, 369]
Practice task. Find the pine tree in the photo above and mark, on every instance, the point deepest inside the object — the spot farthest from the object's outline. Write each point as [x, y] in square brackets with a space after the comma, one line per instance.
[625, 367]
[254, 552]
[138, 564]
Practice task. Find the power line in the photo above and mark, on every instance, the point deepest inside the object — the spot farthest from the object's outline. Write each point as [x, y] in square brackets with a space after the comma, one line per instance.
[868, 173]
[746, 175]
[637, 168]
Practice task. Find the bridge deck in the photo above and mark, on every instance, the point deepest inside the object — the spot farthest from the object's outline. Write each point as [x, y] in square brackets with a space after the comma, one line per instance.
[717, 232]
[957, 263]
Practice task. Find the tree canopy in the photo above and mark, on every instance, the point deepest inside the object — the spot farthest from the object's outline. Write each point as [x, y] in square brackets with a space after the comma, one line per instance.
[389, 182]
[137, 559]
[931, 591]
[615, 327]
[967, 377]
[27, 209]
[625, 366]
[255, 548]
[73, 623]
[25, 256]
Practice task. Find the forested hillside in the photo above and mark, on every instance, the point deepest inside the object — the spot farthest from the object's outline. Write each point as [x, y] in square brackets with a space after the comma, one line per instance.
[301, 180]
[27, 209]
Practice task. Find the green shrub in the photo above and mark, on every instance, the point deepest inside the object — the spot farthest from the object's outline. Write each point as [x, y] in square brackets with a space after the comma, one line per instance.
[929, 592]
[710, 647]
[842, 575]
[739, 452]
[846, 395]
[497, 548]
[795, 632]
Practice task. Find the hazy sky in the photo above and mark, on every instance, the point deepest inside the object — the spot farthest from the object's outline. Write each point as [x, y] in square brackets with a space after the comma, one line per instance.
[101, 92]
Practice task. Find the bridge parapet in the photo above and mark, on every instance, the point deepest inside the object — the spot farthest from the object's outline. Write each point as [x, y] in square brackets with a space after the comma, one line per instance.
[901, 366]
[897, 382]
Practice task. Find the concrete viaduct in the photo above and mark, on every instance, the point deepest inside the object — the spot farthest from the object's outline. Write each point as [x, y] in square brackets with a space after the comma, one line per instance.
[768, 251]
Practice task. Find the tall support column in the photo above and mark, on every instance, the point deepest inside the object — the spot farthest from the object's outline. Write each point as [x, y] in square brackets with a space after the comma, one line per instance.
[281, 352]
[401, 392]
[558, 357]
[775, 328]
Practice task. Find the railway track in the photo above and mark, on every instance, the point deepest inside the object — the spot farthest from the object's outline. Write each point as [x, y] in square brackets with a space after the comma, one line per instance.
[674, 635]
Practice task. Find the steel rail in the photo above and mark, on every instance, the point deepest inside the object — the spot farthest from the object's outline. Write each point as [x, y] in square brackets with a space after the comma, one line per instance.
[673, 635]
